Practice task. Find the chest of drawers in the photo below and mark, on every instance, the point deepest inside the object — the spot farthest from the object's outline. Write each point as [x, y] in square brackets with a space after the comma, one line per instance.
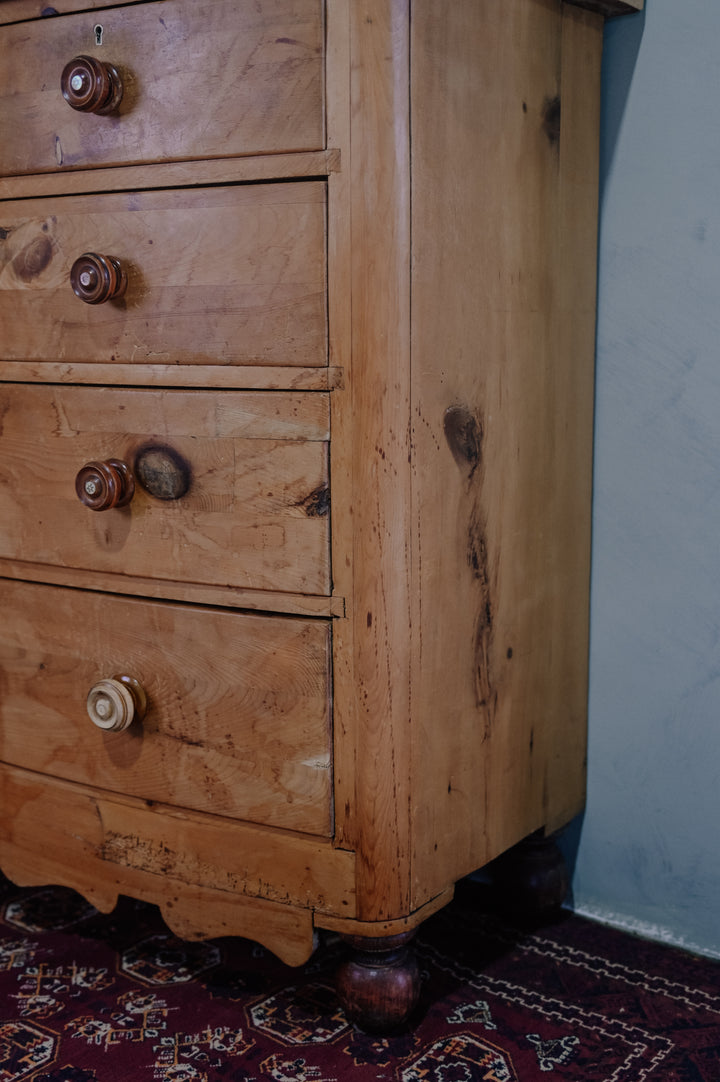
[296, 365]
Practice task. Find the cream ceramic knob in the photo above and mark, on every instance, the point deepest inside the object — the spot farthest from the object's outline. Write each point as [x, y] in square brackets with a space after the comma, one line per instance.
[114, 704]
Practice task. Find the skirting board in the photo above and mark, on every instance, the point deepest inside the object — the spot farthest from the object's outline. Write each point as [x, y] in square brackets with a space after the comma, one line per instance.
[644, 929]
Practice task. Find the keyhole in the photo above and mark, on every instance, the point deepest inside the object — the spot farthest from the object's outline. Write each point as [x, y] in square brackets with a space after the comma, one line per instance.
[98, 34]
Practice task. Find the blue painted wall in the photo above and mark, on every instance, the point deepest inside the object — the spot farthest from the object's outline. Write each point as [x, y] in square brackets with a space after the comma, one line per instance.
[649, 843]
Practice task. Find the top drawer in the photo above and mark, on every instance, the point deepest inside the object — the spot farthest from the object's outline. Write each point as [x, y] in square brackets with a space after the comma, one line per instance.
[200, 79]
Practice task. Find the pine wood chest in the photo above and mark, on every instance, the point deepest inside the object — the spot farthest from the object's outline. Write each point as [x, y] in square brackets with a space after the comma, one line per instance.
[297, 308]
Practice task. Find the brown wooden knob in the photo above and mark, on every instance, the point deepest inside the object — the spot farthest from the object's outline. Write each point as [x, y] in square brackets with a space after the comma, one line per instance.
[97, 278]
[114, 704]
[104, 485]
[91, 85]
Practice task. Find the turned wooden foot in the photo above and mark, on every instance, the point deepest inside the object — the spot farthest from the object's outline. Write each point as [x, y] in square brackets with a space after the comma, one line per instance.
[532, 878]
[379, 984]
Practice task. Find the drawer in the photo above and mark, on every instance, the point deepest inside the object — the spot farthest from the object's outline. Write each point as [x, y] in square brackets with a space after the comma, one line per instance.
[230, 487]
[199, 78]
[214, 275]
[237, 719]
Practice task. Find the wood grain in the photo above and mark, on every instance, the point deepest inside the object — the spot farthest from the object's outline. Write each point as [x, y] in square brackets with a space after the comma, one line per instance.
[238, 721]
[578, 201]
[223, 275]
[15, 10]
[375, 929]
[503, 317]
[341, 418]
[232, 597]
[230, 377]
[380, 238]
[449, 280]
[181, 66]
[210, 876]
[174, 174]
[255, 514]
[19, 10]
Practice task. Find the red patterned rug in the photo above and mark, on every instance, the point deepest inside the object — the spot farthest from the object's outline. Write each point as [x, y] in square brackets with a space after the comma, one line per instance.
[92, 998]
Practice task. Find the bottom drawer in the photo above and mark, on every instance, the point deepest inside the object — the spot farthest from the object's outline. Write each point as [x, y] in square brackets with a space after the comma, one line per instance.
[237, 720]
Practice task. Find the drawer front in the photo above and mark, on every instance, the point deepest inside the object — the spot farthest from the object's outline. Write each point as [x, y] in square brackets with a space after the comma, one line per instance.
[218, 276]
[199, 78]
[230, 487]
[237, 720]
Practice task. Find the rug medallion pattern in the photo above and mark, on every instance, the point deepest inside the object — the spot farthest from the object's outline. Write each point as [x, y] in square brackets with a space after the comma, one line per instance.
[92, 998]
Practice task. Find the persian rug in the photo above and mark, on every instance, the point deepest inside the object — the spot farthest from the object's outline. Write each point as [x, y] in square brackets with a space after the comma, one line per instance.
[86, 997]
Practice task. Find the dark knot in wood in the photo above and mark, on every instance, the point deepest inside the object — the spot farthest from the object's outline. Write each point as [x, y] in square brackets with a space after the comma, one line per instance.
[551, 119]
[163, 472]
[464, 433]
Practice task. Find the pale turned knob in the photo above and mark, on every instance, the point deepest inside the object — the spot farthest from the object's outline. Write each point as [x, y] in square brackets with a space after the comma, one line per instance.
[98, 278]
[114, 704]
[91, 85]
[104, 485]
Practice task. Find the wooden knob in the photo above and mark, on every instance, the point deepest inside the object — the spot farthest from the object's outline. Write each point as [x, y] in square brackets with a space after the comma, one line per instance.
[114, 704]
[104, 485]
[91, 85]
[97, 278]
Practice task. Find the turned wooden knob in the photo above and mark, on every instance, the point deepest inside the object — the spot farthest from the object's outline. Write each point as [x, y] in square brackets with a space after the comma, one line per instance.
[114, 704]
[91, 85]
[103, 485]
[97, 278]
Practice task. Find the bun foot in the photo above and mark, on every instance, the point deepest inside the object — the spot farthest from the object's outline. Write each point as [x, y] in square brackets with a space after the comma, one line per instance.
[532, 878]
[379, 985]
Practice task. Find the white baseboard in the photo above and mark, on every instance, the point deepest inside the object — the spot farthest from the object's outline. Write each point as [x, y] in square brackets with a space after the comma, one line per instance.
[644, 929]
